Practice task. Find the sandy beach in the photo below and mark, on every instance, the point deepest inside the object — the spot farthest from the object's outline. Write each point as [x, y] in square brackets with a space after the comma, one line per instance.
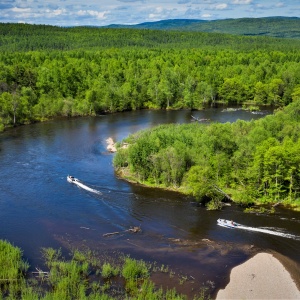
[261, 277]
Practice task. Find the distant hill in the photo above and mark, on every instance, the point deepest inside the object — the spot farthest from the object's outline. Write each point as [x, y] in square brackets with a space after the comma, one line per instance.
[26, 37]
[281, 27]
[173, 24]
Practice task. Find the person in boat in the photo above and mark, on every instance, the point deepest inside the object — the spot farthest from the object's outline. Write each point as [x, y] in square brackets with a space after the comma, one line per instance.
[72, 178]
[232, 223]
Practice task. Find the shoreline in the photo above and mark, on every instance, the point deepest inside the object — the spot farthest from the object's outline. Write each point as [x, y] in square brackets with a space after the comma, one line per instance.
[264, 276]
[124, 174]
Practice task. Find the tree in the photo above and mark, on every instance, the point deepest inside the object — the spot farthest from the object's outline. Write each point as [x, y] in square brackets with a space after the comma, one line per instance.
[28, 100]
[189, 92]
[275, 91]
[199, 181]
[232, 90]
[5, 98]
[11, 106]
[260, 93]
[172, 166]
[204, 91]
[153, 92]
[296, 93]
[165, 93]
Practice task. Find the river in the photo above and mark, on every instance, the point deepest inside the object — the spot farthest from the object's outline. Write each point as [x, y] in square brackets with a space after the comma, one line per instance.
[39, 208]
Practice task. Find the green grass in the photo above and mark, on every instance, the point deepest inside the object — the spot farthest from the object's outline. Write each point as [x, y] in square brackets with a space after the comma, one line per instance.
[82, 276]
[109, 271]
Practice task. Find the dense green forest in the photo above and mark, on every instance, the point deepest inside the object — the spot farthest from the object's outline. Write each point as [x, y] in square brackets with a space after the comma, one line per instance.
[26, 37]
[283, 27]
[48, 71]
[249, 162]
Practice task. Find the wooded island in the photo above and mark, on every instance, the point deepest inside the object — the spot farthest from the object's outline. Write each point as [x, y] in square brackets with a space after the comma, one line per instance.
[253, 162]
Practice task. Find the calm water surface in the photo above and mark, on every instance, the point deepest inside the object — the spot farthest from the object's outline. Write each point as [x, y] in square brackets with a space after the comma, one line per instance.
[39, 208]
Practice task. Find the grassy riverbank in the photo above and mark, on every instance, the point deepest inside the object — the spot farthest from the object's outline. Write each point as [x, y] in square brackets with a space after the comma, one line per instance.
[83, 275]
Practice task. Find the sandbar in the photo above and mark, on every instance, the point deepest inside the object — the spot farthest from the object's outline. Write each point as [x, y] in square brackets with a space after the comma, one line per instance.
[261, 277]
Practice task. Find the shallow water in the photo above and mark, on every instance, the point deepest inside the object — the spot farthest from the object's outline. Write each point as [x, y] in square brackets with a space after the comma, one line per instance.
[39, 208]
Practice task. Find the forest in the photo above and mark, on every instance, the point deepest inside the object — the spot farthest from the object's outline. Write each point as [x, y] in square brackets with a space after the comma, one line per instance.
[48, 71]
[250, 163]
[26, 37]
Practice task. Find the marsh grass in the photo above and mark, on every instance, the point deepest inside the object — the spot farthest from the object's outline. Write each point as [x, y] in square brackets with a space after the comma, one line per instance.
[12, 265]
[12, 270]
[109, 271]
[134, 269]
[81, 276]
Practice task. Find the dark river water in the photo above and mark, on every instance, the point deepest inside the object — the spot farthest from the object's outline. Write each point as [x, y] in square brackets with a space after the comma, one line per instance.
[39, 208]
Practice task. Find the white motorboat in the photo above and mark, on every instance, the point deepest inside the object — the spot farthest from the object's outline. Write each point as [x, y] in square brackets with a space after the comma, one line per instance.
[227, 223]
[72, 179]
[273, 231]
[76, 181]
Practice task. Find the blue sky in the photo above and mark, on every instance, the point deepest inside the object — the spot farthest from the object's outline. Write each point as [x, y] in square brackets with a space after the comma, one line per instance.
[105, 12]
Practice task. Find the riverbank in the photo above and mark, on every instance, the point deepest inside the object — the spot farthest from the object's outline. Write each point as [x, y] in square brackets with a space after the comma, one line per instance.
[124, 173]
[264, 276]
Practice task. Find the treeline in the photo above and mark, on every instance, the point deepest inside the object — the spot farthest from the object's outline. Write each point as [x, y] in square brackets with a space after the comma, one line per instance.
[38, 85]
[26, 37]
[283, 27]
[249, 162]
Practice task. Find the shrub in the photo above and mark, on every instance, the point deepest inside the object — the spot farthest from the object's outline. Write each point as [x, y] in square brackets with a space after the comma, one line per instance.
[109, 271]
[11, 262]
[134, 269]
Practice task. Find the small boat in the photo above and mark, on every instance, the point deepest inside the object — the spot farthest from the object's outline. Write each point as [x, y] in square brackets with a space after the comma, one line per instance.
[228, 224]
[76, 181]
[72, 179]
[200, 120]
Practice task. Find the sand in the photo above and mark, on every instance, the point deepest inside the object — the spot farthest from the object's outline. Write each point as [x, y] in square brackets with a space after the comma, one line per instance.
[261, 277]
[111, 145]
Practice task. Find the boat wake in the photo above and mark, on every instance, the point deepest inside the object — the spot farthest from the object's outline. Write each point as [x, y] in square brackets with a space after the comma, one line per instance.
[87, 188]
[233, 225]
[272, 232]
[76, 181]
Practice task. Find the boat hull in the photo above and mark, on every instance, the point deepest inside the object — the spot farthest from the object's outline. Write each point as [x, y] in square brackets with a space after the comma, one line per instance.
[227, 224]
[72, 179]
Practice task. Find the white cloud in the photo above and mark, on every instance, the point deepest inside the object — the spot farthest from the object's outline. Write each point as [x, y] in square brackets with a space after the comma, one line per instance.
[206, 16]
[129, 0]
[152, 16]
[98, 14]
[261, 6]
[20, 10]
[160, 13]
[159, 9]
[221, 6]
[57, 12]
[241, 2]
